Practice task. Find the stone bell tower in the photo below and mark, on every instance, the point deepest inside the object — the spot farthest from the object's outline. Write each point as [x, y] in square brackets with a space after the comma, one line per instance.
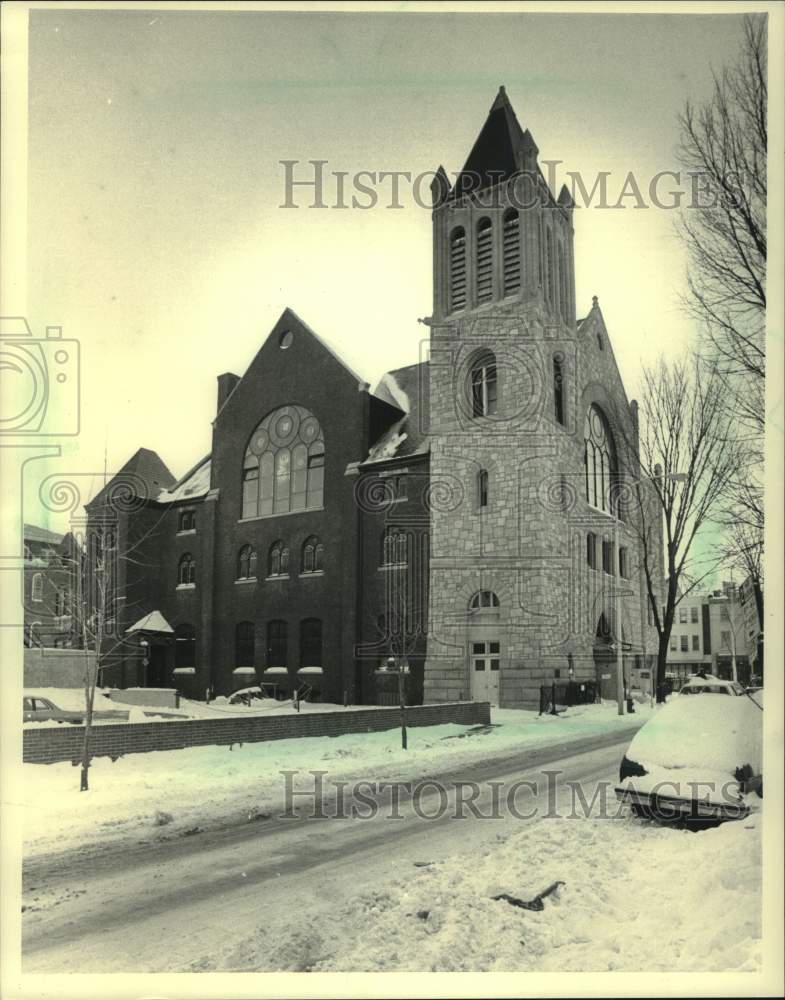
[502, 415]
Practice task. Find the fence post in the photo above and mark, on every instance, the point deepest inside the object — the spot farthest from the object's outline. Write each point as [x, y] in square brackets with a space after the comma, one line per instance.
[553, 699]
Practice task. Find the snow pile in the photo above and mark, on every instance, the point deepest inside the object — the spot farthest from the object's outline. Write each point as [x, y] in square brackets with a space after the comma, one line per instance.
[633, 901]
[220, 784]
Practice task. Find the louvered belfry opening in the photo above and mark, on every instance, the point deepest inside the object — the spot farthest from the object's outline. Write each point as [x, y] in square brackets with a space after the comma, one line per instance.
[484, 261]
[512, 252]
[457, 269]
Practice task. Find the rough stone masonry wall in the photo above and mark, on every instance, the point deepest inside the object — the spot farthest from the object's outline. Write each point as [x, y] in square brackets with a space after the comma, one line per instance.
[48, 745]
[529, 546]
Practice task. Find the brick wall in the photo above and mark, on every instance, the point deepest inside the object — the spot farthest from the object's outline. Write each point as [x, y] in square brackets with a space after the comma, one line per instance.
[46, 746]
[62, 668]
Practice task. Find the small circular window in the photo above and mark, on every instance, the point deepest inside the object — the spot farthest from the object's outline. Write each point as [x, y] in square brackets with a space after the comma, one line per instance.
[285, 340]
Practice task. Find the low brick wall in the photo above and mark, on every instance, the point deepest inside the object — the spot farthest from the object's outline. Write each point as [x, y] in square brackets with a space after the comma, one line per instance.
[51, 744]
[62, 668]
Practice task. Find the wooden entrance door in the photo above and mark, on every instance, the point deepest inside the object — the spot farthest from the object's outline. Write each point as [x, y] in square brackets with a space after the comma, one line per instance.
[485, 671]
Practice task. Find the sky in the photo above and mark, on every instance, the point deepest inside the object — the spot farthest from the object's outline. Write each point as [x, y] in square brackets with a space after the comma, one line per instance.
[156, 235]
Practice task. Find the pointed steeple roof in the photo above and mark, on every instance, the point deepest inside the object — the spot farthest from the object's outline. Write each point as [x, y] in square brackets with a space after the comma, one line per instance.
[495, 155]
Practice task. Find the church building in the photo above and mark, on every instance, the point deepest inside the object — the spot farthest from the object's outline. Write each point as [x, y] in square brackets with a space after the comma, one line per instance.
[465, 516]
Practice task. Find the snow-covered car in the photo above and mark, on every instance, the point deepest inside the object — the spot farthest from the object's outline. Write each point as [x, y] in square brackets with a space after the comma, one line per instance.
[36, 708]
[707, 684]
[697, 758]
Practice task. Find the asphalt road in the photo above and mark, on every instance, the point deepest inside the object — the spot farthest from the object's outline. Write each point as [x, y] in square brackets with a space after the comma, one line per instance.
[174, 906]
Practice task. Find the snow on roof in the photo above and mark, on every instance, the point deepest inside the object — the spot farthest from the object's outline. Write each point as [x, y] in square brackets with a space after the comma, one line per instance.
[407, 389]
[32, 533]
[391, 391]
[154, 622]
[194, 484]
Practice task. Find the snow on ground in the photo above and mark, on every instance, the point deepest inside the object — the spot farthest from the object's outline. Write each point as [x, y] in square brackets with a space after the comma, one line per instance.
[634, 900]
[138, 793]
[72, 700]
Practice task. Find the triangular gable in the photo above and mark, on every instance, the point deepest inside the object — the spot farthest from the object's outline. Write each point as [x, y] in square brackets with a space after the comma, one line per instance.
[153, 622]
[289, 320]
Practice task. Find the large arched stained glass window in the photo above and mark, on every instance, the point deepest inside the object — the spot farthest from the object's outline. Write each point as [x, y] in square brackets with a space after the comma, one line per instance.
[599, 460]
[283, 468]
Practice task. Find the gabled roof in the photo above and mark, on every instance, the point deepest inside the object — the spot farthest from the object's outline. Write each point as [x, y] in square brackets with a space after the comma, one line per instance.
[408, 389]
[32, 533]
[495, 153]
[193, 485]
[154, 622]
[145, 473]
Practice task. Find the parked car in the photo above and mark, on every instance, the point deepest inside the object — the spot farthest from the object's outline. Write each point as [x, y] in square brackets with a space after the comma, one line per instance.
[707, 684]
[696, 758]
[36, 708]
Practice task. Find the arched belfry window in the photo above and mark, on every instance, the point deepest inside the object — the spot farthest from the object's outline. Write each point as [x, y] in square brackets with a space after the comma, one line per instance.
[483, 600]
[562, 285]
[511, 271]
[599, 460]
[483, 385]
[558, 387]
[457, 269]
[549, 277]
[283, 468]
[484, 265]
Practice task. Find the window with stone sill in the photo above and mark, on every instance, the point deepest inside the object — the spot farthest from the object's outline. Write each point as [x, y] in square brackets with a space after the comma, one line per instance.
[278, 560]
[186, 572]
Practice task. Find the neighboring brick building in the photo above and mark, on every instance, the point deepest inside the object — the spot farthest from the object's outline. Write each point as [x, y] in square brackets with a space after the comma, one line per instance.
[710, 630]
[463, 515]
[52, 568]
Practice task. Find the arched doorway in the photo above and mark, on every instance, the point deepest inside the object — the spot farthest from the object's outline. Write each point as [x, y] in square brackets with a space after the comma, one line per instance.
[605, 657]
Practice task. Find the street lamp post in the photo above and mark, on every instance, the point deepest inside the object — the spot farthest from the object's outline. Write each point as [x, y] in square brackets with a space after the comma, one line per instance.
[400, 668]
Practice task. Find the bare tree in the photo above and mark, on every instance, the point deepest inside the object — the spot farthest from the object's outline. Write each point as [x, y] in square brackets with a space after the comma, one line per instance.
[675, 473]
[723, 145]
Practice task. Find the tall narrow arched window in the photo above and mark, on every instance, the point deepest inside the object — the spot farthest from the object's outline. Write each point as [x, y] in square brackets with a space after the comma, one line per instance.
[278, 560]
[37, 587]
[313, 555]
[483, 385]
[457, 269]
[276, 644]
[310, 642]
[549, 277]
[540, 251]
[563, 303]
[184, 646]
[599, 460]
[394, 547]
[482, 488]
[511, 271]
[283, 469]
[558, 387]
[483, 599]
[484, 261]
[187, 569]
[246, 563]
[244, 645]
